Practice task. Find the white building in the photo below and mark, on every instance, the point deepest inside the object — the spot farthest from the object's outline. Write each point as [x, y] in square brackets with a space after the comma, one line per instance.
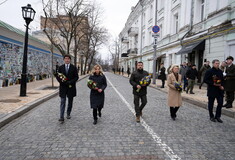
[191, 31]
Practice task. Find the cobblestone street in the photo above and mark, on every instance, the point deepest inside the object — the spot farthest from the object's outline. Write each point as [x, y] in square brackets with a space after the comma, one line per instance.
[38, 134]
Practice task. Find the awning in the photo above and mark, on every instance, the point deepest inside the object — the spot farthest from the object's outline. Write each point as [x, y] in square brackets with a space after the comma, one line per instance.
[188, 48]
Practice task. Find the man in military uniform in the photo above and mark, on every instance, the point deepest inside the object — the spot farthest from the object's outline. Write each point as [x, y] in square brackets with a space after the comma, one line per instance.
[229, 76]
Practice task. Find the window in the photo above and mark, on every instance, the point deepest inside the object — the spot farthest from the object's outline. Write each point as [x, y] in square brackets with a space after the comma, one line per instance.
[202, 9]
[143, 41]
[151, 12]
[144, 19]
[176, 17]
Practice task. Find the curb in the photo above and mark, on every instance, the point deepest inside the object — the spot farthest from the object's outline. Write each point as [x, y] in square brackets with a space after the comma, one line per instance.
[27, 107]
[226, 112]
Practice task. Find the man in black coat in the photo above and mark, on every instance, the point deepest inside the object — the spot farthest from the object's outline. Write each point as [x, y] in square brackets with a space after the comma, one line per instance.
[229, 82]
[215, 90]
[135, 79]
[68, 87]
[191, 76]
[162, 75]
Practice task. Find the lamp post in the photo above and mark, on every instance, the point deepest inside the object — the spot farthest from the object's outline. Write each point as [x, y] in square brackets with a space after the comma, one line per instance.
[28, 14]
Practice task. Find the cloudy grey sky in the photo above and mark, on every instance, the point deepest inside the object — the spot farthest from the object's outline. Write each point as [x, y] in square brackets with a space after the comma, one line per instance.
[115, 15]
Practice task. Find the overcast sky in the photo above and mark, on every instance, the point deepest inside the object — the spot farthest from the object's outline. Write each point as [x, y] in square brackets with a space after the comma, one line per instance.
[116, 13]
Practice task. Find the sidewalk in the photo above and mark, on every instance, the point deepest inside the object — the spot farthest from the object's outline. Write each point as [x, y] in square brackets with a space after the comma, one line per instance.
[13, 106]
[199, 98]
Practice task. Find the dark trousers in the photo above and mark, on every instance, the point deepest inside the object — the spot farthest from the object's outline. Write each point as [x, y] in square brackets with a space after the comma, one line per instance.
[185, 83]
[95, 112]
[230, 97]
[163, 83]
[211, 101]
[138, 107]
[173, 111]
[62, 106]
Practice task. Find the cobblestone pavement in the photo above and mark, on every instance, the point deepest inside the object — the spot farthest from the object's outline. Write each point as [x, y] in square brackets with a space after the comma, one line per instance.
[38, 134]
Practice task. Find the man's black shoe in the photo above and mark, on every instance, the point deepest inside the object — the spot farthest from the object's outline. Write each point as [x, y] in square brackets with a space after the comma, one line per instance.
[219, 120]
[229, 106]
[213, 119]
[95, 122]
[173, 118]
[187, 91]
[61, 120]
[225, 105]
[192, 93]
[68, 117]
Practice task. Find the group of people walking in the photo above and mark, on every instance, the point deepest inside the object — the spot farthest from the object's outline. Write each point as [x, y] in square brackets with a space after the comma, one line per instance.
[216, 80]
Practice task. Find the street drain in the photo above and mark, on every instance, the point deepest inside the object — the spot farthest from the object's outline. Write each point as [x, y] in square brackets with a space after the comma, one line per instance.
[10, 100]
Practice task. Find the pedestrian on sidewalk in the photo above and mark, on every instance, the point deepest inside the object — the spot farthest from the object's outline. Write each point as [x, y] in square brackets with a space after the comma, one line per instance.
[135, 79]
[128, 71]
[203, 70]
[174, 81]
[97, 95]
[162, 75]
[191, 75]
[122, 70]
[215, 90]
[183, 71]
[68, 87]
[229, 86]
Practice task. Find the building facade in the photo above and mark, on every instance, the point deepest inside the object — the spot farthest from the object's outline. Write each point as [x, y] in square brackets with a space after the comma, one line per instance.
[190, 31]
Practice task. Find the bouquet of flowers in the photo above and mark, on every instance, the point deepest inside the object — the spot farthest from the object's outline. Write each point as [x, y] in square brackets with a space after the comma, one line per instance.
[63, 78]
[216, 79]
[178, 86]
[92, 85]
[144, 81]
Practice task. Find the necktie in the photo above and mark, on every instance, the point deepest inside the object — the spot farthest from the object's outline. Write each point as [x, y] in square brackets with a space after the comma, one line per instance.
[67, 68]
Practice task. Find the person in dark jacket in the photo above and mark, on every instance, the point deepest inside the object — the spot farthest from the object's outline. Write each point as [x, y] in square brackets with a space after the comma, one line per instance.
[191, 76]
[68, 87]
[128, 71]
[215, 90]
[183, 71]
[122, 70]
[229, 85]
[203, 70]
[135, 79]
[162, 75]
[97, 95]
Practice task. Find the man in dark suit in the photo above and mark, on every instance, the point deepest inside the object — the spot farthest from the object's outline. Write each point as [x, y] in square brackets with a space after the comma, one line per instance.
[229, 86]
[68, 87]
[162, 75]
[135, 79]
[215, 90]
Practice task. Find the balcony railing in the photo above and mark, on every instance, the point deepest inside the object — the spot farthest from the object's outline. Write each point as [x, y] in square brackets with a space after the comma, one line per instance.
[125, 40]
[133, 31]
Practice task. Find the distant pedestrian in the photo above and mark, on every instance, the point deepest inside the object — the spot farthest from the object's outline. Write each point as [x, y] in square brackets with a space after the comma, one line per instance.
[203, 70]
[229, 85]
[135, 79]
[162, 75]
[174, 81]
[67, 87]
[215, 90]
[128, 71]
[97, 95]
[183, 71]
[114, 70]
[122, 70]
[191, 76]
[119, 70]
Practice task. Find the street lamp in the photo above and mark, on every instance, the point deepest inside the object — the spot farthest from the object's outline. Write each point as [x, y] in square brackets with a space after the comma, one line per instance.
[28, 14]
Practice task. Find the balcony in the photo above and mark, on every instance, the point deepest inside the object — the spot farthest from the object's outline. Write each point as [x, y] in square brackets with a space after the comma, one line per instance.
[125, 40]
[133, 31]
[132, 52]
[124, 55]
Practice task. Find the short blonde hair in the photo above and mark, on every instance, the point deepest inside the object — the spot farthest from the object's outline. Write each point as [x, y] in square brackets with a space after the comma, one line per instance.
[93, 70]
